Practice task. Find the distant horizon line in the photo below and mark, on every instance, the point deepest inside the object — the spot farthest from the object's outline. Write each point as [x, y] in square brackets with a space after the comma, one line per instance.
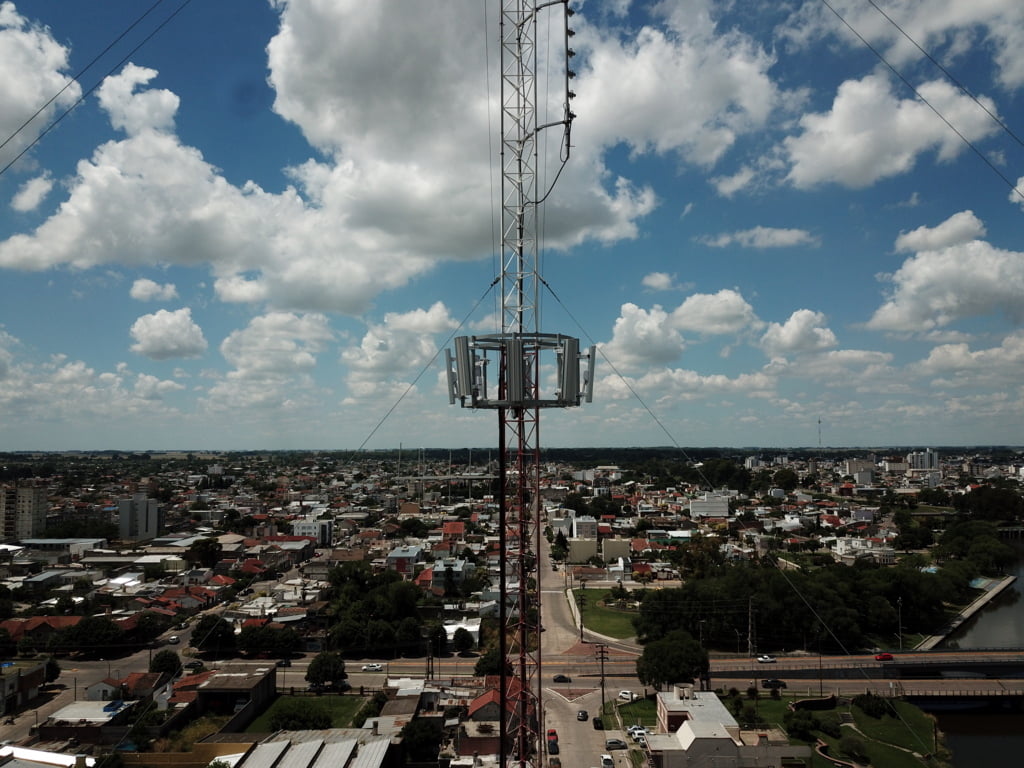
[418, 449]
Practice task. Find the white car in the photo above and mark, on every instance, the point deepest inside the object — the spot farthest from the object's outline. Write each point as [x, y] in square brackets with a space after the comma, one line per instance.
[628, 696]
[373, 667]
[765, 659]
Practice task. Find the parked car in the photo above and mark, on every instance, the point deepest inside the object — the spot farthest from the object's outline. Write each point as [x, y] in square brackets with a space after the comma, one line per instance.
[773, 682]
[615, 744]
[562, 679]
[372, 667]
[764, 658]
[552, 747]
[636, 731]
[552, 734]
[598, 724]
[555, 762]
[607, 761]
[582, 715]
[194, 664]
[883, 657]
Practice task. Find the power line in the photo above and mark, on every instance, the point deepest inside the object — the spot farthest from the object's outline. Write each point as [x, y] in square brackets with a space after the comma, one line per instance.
[1013, 187]
[56, 121]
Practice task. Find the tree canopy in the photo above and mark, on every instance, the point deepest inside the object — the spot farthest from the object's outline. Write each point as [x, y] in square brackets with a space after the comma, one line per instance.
[326, 667]
[676, 658]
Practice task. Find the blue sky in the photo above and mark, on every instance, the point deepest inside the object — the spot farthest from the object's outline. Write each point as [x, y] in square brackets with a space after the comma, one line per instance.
[257, 231]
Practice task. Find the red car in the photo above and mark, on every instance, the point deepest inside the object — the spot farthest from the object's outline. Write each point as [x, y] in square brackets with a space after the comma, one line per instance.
[883, 657]
[552, 734]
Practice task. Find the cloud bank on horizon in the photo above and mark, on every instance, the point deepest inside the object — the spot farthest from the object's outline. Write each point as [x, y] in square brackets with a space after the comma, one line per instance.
[257, 232]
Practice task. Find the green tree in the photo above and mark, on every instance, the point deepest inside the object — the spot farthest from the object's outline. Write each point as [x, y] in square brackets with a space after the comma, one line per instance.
[421, 739]
[93, 635]
[676, 658]
[213, 633]
[490, 664]
[205, 552]
[437, 637]
[52, 670]
[326, 667]
[786, 479]
[462, 640]
[166, 661]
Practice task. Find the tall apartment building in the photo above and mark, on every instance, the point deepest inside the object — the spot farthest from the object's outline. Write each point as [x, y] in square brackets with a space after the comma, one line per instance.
[138, 518]
[23, 510]
[926, 459]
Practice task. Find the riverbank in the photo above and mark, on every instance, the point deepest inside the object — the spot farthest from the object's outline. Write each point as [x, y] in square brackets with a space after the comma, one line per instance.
[991, 590]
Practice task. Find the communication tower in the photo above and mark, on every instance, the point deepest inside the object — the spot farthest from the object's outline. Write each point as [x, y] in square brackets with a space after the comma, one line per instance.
[514, 357]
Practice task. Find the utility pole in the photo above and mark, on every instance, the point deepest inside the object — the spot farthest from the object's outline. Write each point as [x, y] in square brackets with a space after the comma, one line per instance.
[602, 656]
[899, 617]
[581, 602]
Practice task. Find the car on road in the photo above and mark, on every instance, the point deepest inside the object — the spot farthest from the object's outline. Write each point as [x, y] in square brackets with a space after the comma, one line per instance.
[372, 668]
[582, 715]
[562, 679]
[773, 682]
[764, 658]
[883, 657]
[552, 734]
[552, 747]
[194, 664]
[173, 639]
[555, 762]
[598, 724]
[284, 663]
[615, 744]
[627, 696]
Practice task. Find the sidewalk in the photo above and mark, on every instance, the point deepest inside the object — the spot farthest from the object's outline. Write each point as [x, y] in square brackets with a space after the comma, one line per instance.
[992, 589]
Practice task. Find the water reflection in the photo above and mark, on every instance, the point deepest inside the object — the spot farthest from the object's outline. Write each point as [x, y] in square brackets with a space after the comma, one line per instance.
[986, 738]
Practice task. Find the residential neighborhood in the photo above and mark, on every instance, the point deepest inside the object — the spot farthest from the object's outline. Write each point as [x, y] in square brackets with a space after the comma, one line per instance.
[239, 564]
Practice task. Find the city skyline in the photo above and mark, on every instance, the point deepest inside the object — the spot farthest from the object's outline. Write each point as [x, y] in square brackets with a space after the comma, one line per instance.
[258, 230]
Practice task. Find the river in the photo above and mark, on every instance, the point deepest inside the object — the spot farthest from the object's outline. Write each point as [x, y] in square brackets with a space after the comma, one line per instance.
[985, 739]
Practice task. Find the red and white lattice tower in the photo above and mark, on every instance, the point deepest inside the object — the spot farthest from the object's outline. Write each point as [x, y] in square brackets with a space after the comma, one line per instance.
[520, 350]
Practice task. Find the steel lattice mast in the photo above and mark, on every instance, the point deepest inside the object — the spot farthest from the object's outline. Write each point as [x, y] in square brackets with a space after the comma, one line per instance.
[519, 350]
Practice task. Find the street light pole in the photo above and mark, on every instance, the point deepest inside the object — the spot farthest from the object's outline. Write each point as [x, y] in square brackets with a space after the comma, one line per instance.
[899, 614]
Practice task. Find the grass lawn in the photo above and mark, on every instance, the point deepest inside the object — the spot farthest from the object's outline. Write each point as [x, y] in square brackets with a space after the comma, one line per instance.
[606, 621]
[913, 729]
[342, 708]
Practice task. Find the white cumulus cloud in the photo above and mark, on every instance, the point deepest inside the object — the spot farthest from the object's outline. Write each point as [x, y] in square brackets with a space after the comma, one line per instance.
[32, 193]
[935, 288]
[869, 134]
[957, 229]
[145, 289]
[762, 237]
[164, 335]
[805, 331]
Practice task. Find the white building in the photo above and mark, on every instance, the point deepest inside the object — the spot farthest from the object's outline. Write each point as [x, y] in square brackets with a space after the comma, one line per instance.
[926, 459]
[714, 504]
[23, 510]
[696, 729]
[138, 518]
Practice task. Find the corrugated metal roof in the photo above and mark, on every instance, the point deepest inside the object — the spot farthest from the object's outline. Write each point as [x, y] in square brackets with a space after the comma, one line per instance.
[335, 755]
[266, 755]
[371, 754]
[301, 755]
